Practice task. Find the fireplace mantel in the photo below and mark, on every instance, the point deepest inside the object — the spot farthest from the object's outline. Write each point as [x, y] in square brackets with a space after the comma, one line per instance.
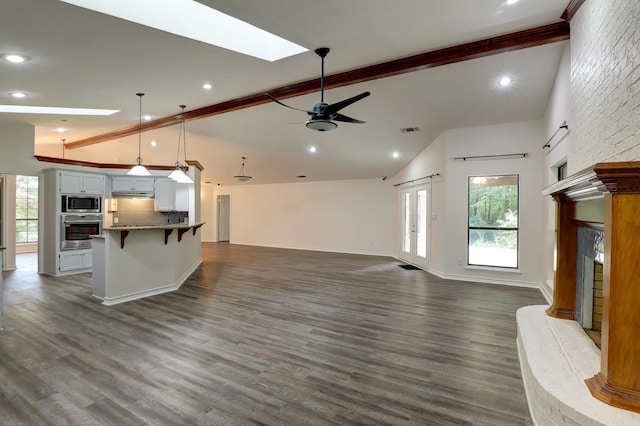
[618, 185]
[594, 182]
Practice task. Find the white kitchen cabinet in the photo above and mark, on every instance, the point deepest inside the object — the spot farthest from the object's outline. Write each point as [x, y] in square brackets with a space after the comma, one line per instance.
[171, 196]
[81, 183]
[125, 183]
[74, 260]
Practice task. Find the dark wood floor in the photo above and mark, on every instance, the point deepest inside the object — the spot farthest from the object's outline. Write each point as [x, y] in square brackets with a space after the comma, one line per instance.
[265, 336]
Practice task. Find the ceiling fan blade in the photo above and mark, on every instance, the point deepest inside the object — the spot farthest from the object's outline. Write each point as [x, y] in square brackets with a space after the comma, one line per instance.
[334, 108]
[344, 118]
[285, 105]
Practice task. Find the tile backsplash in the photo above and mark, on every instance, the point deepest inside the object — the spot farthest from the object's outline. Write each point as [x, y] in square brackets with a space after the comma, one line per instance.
[141, 212]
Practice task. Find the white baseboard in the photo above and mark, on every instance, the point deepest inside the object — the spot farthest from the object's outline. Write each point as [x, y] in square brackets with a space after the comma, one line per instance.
[110, 301]
[547, 290]
[499, 281]
[323, 249]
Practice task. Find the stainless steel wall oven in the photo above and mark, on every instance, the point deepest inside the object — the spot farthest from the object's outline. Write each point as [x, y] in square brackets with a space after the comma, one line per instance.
[76, 230]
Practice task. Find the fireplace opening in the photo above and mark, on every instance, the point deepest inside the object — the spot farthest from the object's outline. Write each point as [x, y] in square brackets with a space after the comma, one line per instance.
[589, 285]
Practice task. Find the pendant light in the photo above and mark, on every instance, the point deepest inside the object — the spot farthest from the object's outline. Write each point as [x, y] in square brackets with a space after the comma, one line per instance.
[241, 176]
[178, 174]
[139, 169]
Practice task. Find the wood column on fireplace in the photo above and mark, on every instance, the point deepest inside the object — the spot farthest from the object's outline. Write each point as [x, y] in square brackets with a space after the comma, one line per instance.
[618, 382]
[564, 290]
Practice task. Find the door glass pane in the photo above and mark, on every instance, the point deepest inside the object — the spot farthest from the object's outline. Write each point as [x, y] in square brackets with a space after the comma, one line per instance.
[421, 219]
[406, 222]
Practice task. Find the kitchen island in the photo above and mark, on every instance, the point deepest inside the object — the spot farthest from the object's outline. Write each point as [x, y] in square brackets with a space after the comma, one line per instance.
[132, 262]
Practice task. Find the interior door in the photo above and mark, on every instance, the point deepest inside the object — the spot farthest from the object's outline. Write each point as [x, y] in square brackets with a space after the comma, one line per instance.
[223, 217]
[415, 235]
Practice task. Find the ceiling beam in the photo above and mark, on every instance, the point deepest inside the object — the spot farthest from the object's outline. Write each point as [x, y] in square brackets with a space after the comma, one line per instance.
[477, 49]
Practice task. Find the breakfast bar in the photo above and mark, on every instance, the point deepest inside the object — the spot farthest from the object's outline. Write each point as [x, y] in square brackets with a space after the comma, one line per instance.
[136, 261]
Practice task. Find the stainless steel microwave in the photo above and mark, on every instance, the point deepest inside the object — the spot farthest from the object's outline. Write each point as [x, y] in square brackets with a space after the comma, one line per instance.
[81, 204]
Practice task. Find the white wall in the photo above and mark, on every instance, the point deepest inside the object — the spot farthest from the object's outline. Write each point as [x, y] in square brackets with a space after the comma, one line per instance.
[558, 111]
[16, 158]
[16, 150]
[605, 77]
[208, 213]
[352, 216]
[511, 138]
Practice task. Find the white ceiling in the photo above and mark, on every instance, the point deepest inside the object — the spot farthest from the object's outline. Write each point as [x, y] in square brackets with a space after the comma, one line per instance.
[80, 58]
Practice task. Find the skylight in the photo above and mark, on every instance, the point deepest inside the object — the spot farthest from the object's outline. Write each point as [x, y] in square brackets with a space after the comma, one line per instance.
[19, 109]
[188, 18]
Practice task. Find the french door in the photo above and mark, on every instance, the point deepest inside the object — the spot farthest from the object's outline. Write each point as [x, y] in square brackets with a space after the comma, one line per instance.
[415, 226]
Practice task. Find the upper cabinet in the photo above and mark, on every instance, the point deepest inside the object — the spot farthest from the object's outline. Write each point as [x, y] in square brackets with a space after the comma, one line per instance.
[171, 196]
[125, 183]
[81, 183]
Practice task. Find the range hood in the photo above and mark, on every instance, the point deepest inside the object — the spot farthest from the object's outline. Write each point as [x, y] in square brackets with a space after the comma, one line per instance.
[133, 194]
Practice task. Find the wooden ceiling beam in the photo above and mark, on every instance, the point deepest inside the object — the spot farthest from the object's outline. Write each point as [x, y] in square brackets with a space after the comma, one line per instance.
[477, 49]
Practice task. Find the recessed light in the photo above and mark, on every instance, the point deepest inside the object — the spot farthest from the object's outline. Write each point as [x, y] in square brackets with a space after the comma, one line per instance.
[312, 149]
[153, 143]
[512, 1]
[61, 130]
[504, 81]
[395, 154]
[147, 117]
[207, 86]
[16, 59]
[18, 94]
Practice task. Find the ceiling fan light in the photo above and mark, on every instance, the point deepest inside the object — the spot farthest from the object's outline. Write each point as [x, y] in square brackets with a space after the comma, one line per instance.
[321, 125]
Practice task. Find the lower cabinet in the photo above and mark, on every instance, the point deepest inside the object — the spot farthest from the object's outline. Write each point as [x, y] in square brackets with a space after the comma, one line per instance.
[74, 260]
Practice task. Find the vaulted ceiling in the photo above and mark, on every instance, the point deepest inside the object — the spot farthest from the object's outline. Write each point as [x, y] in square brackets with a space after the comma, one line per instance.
[80, 58]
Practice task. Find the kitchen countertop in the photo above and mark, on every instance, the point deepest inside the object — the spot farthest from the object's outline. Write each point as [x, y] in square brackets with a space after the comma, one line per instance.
[146, 227]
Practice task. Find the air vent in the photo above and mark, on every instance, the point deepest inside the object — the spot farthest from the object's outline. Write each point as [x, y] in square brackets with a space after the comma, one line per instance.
[410, 129]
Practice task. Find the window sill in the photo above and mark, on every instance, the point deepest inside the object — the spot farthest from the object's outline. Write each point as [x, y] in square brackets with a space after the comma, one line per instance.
[493, 269]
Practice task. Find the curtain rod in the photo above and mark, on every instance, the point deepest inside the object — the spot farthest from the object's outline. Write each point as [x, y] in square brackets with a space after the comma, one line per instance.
[564, 125]
[473, 157]
[424, 177]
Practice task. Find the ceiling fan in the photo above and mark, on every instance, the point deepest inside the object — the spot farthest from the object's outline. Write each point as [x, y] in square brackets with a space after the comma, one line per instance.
[324, 115]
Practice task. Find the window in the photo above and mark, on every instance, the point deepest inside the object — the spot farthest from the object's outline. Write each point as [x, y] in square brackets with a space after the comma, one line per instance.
[493, 221]
[562, 171]
[26, 209]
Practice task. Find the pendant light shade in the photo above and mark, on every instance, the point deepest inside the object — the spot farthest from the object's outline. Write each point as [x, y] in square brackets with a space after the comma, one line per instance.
[178, 174]
[243, 176]
[139, 169]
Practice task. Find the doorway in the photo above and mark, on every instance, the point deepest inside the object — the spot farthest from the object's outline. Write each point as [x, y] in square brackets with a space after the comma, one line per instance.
[415, 235]
[20, 221]
[223, 218]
